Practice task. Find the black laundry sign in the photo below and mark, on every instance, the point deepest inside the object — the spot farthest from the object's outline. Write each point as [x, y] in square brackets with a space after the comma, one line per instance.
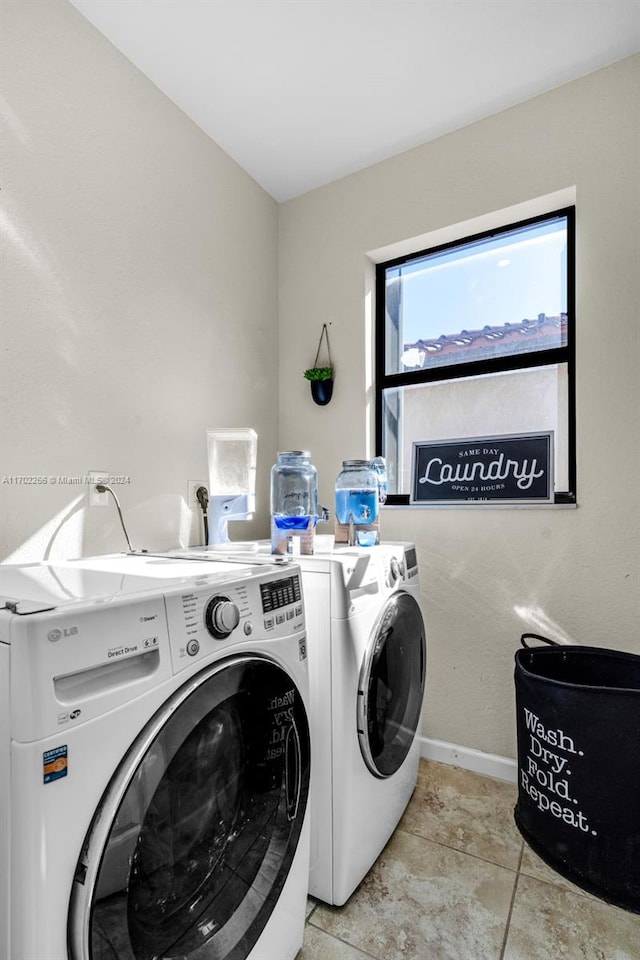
[479, 469]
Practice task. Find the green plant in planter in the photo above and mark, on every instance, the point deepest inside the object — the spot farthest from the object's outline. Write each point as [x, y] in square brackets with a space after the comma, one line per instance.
[321, 378]
[319, 373]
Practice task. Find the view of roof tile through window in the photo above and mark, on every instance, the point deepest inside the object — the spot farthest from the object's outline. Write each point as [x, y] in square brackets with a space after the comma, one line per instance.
[524, 336]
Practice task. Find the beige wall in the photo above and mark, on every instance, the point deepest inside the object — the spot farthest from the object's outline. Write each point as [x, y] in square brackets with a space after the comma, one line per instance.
[139, 293]
[489, 574]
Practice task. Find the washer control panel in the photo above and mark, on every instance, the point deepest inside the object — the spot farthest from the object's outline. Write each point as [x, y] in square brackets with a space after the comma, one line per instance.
[281, 601]
[401, 566]
[410, 563]
[216, 612]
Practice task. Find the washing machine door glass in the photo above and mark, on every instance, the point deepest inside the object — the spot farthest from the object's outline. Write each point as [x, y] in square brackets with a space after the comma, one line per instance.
[192, 842]
[391, 685]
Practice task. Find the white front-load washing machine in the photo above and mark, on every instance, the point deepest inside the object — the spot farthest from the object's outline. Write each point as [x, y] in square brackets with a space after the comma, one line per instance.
[155, 756]
[367, 673]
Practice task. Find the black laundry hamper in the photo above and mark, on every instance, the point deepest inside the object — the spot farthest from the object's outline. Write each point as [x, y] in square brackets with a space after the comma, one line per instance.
[578, 725]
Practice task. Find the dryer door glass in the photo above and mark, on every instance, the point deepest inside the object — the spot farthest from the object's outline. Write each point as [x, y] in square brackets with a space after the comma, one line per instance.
[391, 685]
[196, 832]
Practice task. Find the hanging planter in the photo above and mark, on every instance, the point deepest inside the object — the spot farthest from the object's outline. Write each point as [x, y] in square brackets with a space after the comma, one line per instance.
[321, 378]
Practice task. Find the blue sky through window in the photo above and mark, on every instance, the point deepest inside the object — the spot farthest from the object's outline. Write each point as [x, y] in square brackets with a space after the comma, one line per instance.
[492, 282]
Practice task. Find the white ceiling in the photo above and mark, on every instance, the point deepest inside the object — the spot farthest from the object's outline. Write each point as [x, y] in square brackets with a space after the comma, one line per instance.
[302, 92]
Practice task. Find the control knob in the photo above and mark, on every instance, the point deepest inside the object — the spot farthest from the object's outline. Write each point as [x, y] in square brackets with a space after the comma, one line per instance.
[221, 617]
[396, 571]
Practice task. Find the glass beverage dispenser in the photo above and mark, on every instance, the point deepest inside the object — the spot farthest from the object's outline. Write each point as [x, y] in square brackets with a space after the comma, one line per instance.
[357, 493]
[361, 487]
[294, 503]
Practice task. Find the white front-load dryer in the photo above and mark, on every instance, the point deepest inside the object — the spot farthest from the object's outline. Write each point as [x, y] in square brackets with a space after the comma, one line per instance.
[155, 750]
[367, 668]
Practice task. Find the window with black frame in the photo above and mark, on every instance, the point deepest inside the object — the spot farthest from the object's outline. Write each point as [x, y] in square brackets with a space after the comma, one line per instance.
[476, 339]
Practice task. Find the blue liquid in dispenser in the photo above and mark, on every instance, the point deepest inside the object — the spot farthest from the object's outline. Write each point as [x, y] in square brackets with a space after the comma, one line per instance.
[363, 504]
[293, 523]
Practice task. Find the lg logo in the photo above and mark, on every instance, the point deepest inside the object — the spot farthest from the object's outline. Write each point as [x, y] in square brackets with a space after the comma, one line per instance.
[55, 635]
[65, 717]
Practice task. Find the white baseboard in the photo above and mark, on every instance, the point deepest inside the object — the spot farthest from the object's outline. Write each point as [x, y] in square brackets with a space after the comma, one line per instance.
[489, 764]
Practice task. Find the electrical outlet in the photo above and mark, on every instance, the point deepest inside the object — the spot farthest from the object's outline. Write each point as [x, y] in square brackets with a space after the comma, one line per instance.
[97, 499]
[192, 500]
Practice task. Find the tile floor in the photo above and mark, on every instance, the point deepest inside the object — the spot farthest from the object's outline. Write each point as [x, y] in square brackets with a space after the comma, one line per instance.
[456, 882]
